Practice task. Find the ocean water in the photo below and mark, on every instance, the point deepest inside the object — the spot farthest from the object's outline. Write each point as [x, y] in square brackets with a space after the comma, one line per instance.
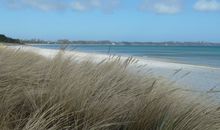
[195, 55]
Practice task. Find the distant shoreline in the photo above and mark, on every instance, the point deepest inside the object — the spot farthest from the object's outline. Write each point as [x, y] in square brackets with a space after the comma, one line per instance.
[127, 43]
[8, 40]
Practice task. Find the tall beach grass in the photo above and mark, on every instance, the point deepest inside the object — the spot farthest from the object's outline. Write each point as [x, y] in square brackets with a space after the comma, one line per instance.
[63, 93]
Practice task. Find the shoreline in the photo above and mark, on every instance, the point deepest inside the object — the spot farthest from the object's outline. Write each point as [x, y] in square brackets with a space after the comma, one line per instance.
[142, 58]
[198, 78]
[166, 61]
[153, 58]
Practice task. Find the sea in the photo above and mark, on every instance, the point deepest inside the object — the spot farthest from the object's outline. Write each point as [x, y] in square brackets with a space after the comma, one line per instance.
[194, 55]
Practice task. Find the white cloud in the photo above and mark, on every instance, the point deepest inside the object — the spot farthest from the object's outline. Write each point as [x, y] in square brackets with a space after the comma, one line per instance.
[77, 5]
[207, 5]
[162, 6]
[105, 5]
[44, 5]
[156, 6]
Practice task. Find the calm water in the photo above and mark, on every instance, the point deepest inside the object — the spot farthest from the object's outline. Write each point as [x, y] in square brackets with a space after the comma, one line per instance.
[208, 56]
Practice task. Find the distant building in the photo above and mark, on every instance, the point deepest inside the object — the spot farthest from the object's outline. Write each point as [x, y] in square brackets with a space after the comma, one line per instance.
[64, 41]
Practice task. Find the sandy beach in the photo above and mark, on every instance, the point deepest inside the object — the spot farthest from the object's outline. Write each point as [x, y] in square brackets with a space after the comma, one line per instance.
[192, 77]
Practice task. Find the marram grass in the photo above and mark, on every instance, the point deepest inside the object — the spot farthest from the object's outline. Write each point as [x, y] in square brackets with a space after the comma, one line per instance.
[62, 93]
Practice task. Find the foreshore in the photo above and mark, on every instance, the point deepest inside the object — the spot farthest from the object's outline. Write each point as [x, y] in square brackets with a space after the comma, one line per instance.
[192, 77]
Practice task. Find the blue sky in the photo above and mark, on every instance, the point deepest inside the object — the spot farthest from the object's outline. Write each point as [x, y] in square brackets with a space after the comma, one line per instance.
[117, 20]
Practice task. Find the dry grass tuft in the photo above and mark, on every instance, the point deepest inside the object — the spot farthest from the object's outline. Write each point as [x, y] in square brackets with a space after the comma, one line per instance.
[62, 93]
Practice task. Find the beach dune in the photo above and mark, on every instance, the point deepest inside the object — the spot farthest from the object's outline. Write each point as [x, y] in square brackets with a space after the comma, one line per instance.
[60, 90]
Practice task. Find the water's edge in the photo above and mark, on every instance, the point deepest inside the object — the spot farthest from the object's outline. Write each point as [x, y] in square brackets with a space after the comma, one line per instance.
[201, 56]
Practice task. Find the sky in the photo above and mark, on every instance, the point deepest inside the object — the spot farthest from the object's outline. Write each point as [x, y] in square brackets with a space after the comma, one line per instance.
[115, 20]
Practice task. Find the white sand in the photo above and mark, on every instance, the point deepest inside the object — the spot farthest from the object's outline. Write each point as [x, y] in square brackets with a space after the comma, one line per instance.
[197, 78]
